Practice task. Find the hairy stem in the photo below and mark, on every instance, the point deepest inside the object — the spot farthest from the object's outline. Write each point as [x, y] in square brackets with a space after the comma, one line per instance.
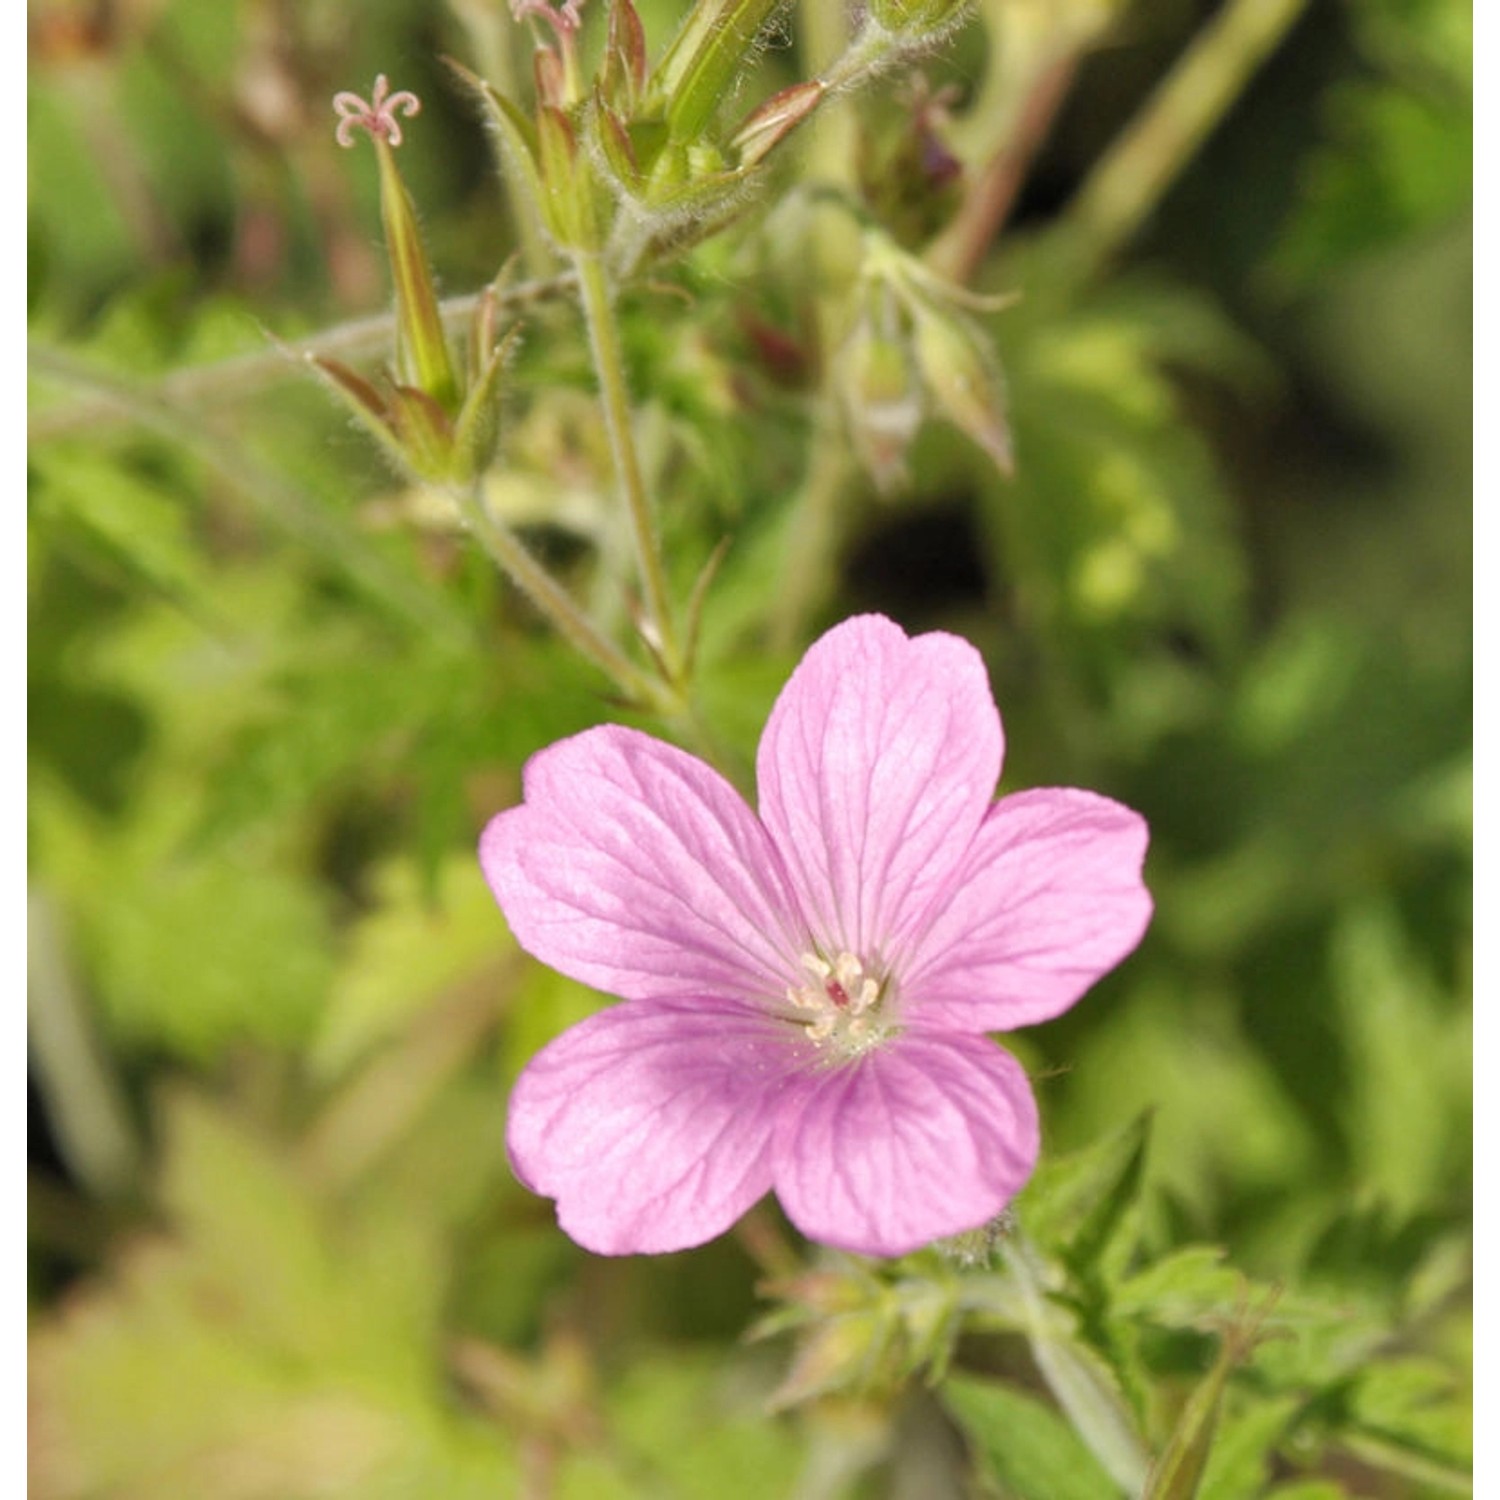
[614, 399]
[814, 535]
[234, 379]
[822, 34]
[559, 607]
[1131, 177]
[960, 251]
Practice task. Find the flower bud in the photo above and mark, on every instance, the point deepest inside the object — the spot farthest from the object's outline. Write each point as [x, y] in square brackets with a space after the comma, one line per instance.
[882, 400]
[765, 128]
[419, 437]
[421, 348]
[963, 380]
[558, 177]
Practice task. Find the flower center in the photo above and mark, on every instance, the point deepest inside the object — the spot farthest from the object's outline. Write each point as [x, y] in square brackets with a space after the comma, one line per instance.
[842, 1005]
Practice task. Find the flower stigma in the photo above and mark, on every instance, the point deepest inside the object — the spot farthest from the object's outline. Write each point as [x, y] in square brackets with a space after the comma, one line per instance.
[842, 1004]
[377, 116]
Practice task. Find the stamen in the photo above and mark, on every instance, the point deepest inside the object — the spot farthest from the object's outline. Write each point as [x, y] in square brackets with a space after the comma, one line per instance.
[841, 1004]
[815, 965]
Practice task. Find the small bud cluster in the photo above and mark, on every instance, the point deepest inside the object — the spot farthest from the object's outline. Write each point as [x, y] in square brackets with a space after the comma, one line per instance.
[634, 163]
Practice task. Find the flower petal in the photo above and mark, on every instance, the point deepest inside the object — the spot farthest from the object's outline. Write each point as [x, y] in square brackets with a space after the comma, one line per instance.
[650, 1123]
[1048, 899]
[875, 769]
[634, 867]
[931, 1135]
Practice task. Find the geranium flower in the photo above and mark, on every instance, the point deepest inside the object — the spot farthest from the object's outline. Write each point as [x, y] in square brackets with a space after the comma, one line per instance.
[807, 991]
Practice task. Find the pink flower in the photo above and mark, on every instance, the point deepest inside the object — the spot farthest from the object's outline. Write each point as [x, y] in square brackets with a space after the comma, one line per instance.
[807, 991]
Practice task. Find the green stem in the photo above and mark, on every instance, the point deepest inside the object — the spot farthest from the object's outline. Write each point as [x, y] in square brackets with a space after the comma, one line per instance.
[84, 1097]
[1130, 179]
[822, 35]
[1081, 1384]
[609, 368]
[553, 601]
[247, 374]
[961, 250]
[814, 528]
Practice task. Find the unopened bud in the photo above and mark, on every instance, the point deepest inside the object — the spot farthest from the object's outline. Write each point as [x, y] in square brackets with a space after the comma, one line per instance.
[882, 402]
[421, 347]
[765, 128]
[567, 182]
[622, 74]
[838, 1355]
[420, 437]
[963, 380]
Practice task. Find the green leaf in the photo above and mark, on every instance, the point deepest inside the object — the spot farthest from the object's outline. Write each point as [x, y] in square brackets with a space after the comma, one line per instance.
[1242, 1451]
[404, 952]
[1182, 1290]
[266, 1338]
[1023, 1445]
[1399, 161]
[142, 526]
[1083, 1207]
[1116, 520]
[1410, 1049]
[194, 955]
[1429, 1470]
[1222, 1119]
[252, 1226]
[546, 1004]
[700, 1425]
[1414, 1403]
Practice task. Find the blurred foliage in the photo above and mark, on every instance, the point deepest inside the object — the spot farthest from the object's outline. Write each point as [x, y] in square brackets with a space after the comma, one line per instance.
[275, 692]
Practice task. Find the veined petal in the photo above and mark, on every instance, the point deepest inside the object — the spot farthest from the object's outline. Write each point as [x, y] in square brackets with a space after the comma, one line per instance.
[875, 769]
[634, 867]
[651, 1122]
[925, 1137]
[1048, 899]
